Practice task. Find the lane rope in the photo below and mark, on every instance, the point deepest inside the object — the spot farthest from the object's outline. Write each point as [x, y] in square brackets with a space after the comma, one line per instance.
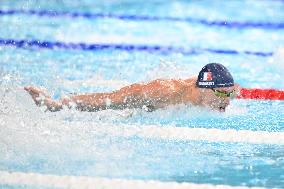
[217, 23]
[124, 47]
[261, 94]
[87, 182]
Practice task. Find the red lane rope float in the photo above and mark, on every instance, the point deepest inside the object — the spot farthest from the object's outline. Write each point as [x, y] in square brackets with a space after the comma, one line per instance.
[262, 94]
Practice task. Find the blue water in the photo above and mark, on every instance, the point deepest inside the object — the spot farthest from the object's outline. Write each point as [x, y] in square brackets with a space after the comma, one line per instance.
[67, 143]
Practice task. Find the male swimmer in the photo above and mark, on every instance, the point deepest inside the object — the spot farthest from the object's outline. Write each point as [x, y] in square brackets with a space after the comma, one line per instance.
[213, 88]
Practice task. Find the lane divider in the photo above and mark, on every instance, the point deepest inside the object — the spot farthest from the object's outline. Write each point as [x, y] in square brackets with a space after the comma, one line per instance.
[261, 94]
[87, 182]
[219, 23]
[124, 47]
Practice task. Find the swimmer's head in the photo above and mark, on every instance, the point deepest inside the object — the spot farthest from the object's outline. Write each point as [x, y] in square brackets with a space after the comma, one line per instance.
[214, 75]
[217, 86]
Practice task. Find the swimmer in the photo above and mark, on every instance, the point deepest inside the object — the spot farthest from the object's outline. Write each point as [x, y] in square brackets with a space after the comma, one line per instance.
[214, 87]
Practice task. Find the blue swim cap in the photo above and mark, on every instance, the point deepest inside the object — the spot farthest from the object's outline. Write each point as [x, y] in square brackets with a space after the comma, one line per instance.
[214, 75]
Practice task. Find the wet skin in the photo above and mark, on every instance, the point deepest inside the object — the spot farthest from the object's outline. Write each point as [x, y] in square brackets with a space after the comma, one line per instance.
[149, 96]
[220, 104]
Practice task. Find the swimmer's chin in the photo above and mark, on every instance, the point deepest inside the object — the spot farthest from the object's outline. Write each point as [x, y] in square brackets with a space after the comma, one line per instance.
[219, 109]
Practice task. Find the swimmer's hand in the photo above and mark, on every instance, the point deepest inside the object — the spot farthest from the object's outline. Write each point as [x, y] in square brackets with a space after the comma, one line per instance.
[37, 94]
[42, 99]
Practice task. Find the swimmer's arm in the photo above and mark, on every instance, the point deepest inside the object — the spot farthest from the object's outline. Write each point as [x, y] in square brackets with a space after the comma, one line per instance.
[129, 96]
[41, 99]
[134, 95]
[88, 102]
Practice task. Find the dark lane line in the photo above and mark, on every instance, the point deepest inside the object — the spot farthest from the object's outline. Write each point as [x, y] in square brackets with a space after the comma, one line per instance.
[124, 47]
[216, 23]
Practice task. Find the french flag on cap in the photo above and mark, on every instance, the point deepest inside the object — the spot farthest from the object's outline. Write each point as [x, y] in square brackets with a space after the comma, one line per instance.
[207, 76]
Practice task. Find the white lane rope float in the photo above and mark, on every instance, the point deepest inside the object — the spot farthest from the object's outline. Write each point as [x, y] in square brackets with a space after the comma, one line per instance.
[87, 182]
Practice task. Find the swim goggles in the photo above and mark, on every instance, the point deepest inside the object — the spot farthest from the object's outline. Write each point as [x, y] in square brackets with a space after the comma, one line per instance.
[224, 94]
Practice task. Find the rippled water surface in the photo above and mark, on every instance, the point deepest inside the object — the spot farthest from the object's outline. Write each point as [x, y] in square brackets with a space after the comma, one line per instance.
[146, 146]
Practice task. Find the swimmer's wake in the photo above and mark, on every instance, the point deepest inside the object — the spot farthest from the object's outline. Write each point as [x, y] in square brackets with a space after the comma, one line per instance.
[193, 134]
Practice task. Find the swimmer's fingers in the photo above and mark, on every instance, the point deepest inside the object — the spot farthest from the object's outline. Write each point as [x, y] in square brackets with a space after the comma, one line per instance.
[31, 89]
[35, 91]
[38, 95]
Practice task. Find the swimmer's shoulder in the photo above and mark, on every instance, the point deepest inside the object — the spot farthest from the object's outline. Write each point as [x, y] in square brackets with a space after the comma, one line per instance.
[173, 84]
[190, 81]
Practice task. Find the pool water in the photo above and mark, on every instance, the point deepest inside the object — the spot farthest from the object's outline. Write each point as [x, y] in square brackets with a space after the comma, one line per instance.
[241, 147]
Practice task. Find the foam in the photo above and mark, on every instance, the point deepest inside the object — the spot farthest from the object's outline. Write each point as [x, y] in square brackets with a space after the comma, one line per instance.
[85, 182]
[194, 134]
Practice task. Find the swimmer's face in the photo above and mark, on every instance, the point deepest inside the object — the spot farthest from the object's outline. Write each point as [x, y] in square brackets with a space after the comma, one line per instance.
[218, 98]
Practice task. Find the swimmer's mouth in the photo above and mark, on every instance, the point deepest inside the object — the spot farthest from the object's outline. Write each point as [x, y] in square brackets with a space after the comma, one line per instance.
[221, 109]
